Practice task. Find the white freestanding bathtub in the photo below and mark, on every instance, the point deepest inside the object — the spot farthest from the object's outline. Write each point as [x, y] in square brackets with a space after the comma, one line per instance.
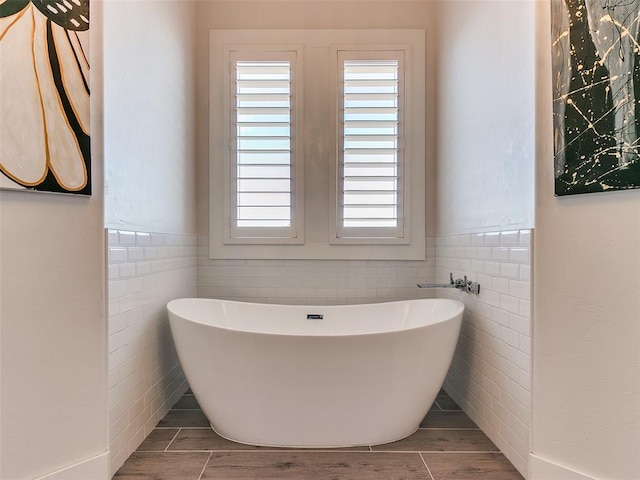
[315, 376]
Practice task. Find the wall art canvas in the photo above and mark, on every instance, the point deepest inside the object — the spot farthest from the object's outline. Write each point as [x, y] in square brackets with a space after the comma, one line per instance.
[44, 96]
[596, 93]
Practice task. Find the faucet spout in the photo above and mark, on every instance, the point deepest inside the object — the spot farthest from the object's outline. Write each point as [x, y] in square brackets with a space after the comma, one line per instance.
[461, 284]
[452, 283]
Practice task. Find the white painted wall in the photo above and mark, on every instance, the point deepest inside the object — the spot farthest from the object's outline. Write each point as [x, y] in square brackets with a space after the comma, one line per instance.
[485, 133]
[317, 286]
[485, 112]
[150, 205]
[586, 348]
[298, 15]
[149, 115]
[53, 321]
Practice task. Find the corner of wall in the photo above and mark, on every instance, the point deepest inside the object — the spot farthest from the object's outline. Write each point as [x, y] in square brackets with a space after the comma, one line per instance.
[545, 469]
[146, 270]
[95, 468]
[490, 376]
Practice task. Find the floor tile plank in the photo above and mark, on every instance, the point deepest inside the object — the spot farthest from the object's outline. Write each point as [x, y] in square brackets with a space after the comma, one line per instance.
[207, 439]
[186, 402]
[470, 466]
[184, 418]
[158, 440]
[437, 440]
[163, 466]
[315, 466]
[449, 419]
[204, 439]
[445, 402]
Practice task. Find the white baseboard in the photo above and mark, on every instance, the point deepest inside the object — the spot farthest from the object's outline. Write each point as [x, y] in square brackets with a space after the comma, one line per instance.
[543, 469]
[94, 468]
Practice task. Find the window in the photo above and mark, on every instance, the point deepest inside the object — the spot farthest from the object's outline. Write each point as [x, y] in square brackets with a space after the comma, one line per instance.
[370, 183]
[262, 144]
[317, 144]
[262, 154]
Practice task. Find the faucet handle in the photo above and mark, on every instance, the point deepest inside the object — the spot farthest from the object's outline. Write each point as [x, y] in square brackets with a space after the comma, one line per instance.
[465, 284]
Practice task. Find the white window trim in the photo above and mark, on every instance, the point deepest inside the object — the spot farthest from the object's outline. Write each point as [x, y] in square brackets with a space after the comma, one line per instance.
[317, 227]
[376, 236]
[286, 235]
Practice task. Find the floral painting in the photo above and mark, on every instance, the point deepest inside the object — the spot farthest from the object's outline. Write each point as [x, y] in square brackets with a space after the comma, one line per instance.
[44, 96]
[596, 88]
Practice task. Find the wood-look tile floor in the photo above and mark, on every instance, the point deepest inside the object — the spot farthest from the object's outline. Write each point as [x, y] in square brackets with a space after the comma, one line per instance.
[447, 446]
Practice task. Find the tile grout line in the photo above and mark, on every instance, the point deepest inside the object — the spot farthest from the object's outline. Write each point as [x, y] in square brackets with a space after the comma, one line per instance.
[437, 451]
[484, 452]
[205, 466]
[426, 466]
[310, 450]
[449, 428]
[203, 427]
[174, 437]
[204, 450]
[267, 451]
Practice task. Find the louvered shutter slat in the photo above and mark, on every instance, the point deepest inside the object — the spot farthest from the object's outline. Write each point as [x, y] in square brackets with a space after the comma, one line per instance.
[370, 143]
[262, 145]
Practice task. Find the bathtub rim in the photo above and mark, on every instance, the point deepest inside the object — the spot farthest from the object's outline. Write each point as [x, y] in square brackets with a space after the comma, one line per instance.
[457, 313]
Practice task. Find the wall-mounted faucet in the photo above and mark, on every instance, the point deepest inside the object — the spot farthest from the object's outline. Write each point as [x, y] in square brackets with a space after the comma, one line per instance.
[461, 284]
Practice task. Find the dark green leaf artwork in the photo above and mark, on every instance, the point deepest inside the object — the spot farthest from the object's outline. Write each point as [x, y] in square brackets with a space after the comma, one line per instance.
[596, 93]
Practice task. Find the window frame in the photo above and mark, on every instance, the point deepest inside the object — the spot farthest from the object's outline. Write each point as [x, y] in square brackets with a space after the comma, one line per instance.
[401, 234]
[294, 234]
[318, 146]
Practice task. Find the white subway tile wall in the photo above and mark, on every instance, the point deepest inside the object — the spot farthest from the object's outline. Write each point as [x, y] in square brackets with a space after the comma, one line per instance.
[145, 271]
[490, 374]
[314, 282]
[490, 377]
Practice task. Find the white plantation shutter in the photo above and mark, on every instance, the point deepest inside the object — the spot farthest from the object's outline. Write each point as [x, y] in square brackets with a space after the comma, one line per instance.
[263, 145]
[317, 142]
[370, 146]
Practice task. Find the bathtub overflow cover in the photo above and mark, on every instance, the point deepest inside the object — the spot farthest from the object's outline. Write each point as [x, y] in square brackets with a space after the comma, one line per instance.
[314, 316]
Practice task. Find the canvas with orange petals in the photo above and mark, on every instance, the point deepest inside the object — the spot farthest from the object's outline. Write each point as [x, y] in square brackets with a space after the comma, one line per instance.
[44, 96]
